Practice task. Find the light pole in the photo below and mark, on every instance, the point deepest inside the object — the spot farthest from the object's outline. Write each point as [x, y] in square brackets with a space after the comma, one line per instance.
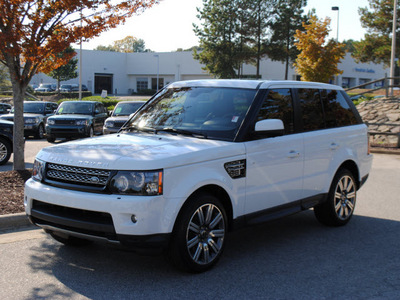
[337, 30]
[393, 55]
[337, 35]
[158, 70]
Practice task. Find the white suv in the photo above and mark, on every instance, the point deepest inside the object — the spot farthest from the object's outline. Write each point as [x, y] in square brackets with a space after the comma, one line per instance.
[201, 158]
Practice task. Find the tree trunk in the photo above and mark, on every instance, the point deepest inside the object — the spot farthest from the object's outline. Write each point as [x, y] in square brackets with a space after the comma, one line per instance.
[19, 141]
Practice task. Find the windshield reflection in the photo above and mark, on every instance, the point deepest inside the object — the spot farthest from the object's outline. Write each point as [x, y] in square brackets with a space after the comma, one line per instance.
[208, 112]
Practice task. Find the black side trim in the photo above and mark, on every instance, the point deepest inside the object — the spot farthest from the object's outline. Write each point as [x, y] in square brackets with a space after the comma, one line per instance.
[363, 180]
[278, 211]
[146, 244]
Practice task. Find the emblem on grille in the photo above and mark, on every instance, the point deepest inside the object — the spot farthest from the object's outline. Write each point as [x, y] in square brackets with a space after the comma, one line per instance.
[94, 179]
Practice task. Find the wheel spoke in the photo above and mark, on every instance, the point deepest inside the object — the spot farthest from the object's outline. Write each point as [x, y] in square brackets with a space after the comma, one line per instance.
[350, 205]
[351, 195]
[338, 195]
[197, 253]
[214, 245]
[194, 227]
[219, 233]
[216, 220]
[210, 209]
[193, 242]
[206, 253]
[338, 206]
[201, 216]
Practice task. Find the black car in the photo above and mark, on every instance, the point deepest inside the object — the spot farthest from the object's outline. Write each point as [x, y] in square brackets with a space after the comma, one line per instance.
[35, 116]
[120, 115]
[76, 119]
[4, 108]
[6, 140]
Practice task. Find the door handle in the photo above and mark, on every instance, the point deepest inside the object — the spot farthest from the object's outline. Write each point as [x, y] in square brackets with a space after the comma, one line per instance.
[294, 154]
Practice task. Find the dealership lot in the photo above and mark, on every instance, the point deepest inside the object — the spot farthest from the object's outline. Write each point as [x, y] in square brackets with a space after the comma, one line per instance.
[292, 258]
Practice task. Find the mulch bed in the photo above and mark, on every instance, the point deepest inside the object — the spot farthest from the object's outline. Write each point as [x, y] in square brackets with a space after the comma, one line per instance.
[12, 191]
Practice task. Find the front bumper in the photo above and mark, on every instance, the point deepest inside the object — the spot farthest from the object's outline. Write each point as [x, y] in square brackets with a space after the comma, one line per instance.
[136, 221]
[67, 131]
[109, 130]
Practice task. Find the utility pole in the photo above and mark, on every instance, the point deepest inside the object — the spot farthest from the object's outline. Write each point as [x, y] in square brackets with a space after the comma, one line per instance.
[392, 58]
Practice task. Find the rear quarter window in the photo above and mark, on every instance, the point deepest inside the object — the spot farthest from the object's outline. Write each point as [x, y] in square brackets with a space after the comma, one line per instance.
[337, 111]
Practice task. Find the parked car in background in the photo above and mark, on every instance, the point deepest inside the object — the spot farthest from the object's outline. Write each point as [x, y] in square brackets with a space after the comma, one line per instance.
[46, 87]
[35, 116]
[120, 115]
[5, 108]
[65, 88]
[6, 141]
[76, 119]
[75, 88]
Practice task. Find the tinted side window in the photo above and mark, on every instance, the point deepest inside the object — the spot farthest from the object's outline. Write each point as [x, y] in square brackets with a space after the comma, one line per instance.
[2, 108]
[337, 111]
[278, 105]
[311, 107]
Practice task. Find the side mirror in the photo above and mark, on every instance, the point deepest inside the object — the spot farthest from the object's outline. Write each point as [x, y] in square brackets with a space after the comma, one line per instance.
[270, 127]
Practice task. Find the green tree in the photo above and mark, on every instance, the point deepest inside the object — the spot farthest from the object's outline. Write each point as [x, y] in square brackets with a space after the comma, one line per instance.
[128, 44]
[289, 16]
[3, 75]
[218, 37]
[376, 45]
[317, 60]
[67, 71]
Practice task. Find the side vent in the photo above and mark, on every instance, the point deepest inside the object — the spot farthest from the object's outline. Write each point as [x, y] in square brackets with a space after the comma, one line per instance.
[236, 169]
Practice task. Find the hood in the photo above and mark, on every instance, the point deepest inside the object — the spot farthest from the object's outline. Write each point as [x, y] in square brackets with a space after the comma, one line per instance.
[139, 151]
[26, 115]
[70, 117]
[118, 118]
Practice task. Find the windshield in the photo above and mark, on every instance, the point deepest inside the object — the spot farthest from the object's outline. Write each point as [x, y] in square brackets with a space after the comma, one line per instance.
[125, 109]
[210, 112]
[80, 108]
[33, 108]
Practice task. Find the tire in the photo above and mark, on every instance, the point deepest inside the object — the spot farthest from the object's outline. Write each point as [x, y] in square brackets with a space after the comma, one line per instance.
[339, 207]
[40, 132]
[69, 240]
[91, 132]
[51, 138]
[198, 239]
[5, 151]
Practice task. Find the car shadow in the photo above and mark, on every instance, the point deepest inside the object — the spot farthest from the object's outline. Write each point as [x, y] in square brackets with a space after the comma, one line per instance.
[291, 258]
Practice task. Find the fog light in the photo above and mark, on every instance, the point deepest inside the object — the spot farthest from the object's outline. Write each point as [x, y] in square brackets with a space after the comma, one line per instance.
[133, 219]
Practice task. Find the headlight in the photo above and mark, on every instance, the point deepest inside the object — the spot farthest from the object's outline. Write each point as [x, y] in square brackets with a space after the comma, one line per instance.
[146, 183]
[31, 120]
[38, 170]
[109, 124]
[50, 122]
[81, 122]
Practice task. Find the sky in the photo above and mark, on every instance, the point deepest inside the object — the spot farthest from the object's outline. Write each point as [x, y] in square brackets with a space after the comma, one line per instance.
[168, 26]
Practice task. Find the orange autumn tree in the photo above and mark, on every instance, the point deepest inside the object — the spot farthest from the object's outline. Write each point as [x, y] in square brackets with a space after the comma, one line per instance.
[32, 32]
[317, 60]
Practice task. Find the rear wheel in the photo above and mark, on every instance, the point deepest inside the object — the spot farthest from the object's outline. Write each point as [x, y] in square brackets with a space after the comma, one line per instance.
[339, 207]
[199, 236]
[5, 151]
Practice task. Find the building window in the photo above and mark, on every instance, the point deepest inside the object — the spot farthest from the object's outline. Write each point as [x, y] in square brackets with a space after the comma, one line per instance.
[142, 84]
[154, 83]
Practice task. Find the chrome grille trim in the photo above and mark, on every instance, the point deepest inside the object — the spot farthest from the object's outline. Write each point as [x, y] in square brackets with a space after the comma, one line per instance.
[77, 175]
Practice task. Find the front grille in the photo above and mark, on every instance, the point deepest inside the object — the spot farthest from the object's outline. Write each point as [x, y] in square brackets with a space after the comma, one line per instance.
[77, 175]
[64, 122]
[119, 124]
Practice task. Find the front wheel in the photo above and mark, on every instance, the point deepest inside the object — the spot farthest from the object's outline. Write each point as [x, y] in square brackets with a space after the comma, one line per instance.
[339, 207]
[199, 236]
[91, 132]
[50, 138]
[40, 132]
[5, 151]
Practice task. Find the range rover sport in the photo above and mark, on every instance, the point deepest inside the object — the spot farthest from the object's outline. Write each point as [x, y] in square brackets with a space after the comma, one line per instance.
[202, 158]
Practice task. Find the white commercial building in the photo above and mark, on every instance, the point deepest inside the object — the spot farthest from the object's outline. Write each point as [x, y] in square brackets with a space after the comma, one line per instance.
[126, 73]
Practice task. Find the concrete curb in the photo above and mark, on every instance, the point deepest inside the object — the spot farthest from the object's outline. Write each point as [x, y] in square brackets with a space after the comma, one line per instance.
[14, 221]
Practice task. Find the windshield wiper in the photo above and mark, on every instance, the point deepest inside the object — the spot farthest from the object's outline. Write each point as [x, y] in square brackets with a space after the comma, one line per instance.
[136, 128]
[183, 131]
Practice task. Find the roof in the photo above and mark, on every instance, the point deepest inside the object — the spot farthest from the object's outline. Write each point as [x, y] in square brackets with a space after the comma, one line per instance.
[252, 84]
